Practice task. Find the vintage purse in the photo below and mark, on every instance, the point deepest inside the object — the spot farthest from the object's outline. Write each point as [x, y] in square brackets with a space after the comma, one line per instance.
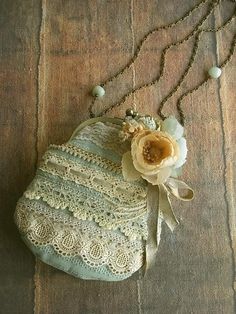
[80, 215]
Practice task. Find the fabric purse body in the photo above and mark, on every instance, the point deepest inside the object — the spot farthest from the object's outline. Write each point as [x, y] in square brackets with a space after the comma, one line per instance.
[78, 214]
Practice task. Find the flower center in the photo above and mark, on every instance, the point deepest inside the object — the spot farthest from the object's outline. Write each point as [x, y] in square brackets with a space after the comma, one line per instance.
[155, 151]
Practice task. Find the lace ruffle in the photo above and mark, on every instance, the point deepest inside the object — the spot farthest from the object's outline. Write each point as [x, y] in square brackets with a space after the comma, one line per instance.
[120, 205]
[129, 220]
[72, 237]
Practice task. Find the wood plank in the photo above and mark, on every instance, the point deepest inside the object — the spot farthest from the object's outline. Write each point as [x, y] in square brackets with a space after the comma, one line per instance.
[193, 272]
[18, 98]
[226, 89]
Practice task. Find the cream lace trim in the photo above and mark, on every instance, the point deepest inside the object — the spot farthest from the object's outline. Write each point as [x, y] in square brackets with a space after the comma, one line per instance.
[88, 156]
[129, 219]
[103, 182]
[103, 135]
[72, 237]
[121, 205]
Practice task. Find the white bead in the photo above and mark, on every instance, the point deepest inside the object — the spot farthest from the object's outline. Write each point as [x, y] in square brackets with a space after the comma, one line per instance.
[215, 72]
[98, 91]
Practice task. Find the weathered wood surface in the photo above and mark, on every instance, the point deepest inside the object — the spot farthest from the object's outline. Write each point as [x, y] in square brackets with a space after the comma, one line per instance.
[51, 54]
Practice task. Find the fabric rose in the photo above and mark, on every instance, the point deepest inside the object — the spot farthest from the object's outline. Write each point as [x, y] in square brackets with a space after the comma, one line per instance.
[152, 157]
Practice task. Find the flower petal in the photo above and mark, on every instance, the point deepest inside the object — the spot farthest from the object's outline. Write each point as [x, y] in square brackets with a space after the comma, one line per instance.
[158, 178]
[129, 172]
[182, 152]
[173, 127]
[176, 172]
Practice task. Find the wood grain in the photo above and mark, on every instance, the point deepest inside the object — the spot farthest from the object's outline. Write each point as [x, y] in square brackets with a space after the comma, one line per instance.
[52, 53]
[18, 94]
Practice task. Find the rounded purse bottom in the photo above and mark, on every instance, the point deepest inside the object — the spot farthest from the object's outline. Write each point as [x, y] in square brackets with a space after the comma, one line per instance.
[73, 265]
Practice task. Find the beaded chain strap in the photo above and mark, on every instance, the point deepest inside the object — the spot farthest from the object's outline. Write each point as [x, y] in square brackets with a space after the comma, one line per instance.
[196, 34]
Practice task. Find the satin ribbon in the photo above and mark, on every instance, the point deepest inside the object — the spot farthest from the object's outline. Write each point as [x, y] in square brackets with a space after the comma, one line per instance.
[159, 209]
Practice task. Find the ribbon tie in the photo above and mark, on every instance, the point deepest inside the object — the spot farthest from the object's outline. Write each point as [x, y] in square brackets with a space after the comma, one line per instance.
[159, 209]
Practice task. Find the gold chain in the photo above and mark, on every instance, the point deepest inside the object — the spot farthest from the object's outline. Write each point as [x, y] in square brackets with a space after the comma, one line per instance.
[197, 33]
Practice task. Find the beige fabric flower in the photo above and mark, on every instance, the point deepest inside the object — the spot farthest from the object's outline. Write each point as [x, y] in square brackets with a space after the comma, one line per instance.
[153, 153]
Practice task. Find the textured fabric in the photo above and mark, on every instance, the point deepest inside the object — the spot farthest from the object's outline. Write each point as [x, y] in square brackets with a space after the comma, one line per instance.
[79, 214]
